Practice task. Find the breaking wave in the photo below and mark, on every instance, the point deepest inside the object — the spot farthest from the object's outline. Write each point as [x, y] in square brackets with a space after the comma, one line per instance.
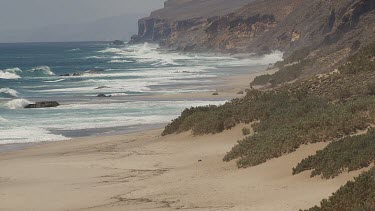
[11, 73]
[40, 71]
[120, 61]
[8, 93]
[17, 104]
[16, 73]
[55, 81]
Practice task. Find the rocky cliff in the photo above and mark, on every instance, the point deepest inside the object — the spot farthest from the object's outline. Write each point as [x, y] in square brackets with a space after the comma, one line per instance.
[325, 30]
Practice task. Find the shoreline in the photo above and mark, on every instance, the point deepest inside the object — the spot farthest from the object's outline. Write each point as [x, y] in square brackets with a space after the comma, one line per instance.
[227, 87]
[143, 170]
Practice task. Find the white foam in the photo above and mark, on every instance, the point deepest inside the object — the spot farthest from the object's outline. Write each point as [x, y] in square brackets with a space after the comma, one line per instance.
[146, 53]
[55, 81]
[8, 92]
[96, 57]
[112, 50]
[17, 104]
[16, 73]
[118, 94]
[13, 70]
[11, 73]
[44, 70]
[150, 53]
[75, 49]
[120, 61]
[26, 134]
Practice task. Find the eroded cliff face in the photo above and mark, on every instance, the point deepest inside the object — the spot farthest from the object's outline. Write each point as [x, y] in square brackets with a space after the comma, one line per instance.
[259, 26]
[228, 33]
[329, 29]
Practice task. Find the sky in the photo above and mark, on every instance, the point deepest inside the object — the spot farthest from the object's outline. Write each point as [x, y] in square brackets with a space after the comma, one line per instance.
[29, 15]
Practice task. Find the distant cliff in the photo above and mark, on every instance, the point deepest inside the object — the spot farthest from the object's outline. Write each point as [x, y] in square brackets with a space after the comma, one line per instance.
[322, 29]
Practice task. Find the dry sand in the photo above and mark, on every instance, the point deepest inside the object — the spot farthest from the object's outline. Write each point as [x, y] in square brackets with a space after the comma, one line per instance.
[145, 171]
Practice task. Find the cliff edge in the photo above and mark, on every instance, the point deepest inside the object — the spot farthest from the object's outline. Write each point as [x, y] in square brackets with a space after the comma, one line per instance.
[324, 31]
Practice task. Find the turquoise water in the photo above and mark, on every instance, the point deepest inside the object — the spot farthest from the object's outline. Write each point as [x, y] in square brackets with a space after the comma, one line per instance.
[33, 72]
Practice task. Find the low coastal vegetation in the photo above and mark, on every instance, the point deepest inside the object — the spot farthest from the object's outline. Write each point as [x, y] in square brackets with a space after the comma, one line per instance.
[298, 121]
[286, 73]
[330, 107]
[246, 131]
[284, 122]
[358, 195]
[348, 154]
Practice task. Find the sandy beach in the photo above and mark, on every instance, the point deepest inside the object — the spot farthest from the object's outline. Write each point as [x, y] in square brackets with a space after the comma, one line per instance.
[144, 171]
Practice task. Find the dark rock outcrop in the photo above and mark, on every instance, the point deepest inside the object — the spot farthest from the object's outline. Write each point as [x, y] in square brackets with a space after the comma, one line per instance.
[72, 74]
[118, 42]
[87, 72]
[44, 104]
[103, 95]
[102, 87]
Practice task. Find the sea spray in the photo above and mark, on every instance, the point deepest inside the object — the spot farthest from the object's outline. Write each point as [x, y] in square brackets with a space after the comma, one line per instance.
[11, 73]
[17, 104]
[39, 71]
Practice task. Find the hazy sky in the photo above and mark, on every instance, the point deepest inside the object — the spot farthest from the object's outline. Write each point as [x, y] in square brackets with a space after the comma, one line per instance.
[28, 14]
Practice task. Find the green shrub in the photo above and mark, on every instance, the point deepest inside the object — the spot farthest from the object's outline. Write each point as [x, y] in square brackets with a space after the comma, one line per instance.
[285, 74]
[262, 80]
[343, 93]
[349, 154]
[370, 88]
[295, 123]
[363, 61]
[354, 196]
[246, 131]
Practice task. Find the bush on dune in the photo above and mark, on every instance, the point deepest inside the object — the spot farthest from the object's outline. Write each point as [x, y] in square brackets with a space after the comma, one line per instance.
[358, 195]
[302, 122]
[348, 154]
[284, 75]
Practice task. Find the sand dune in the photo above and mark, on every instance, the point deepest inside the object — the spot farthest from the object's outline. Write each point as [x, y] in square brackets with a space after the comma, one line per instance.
[145, 171]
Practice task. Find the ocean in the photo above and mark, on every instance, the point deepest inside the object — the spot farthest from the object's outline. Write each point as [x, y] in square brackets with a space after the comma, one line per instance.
[74, 74]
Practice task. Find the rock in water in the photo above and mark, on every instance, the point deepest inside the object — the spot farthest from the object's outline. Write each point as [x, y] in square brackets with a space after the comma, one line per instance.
[102, 87]
[44, 104]
[92, 72]
[103, 95]
[118, 42]
[72, 74]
